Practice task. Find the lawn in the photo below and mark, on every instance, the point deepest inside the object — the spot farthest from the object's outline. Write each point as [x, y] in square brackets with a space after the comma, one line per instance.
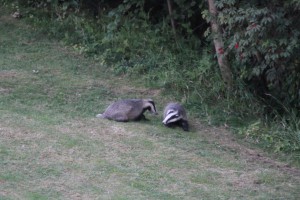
[53, 147]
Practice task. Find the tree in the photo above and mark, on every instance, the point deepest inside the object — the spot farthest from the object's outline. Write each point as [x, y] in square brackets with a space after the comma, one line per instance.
[263, 42]
[170, 9]
[219, 45]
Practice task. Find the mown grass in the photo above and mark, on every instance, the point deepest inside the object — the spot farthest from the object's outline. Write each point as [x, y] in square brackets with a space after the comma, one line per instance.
[53, 147]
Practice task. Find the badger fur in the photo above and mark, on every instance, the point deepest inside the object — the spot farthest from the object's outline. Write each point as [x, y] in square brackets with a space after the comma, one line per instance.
[175, 114]
[128, 110]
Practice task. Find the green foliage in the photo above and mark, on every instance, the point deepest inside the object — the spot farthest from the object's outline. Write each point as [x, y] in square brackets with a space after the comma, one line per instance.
[281, 136]
[264, 41]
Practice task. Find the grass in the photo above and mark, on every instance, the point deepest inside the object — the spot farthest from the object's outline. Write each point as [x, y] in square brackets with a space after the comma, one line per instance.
[53, 147]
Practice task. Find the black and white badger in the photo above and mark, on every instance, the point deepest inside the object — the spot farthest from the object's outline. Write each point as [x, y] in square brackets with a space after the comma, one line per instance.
[175, 114]
[128, 110]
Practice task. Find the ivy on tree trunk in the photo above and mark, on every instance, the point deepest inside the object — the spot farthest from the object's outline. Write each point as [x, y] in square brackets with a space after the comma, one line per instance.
[219, 46]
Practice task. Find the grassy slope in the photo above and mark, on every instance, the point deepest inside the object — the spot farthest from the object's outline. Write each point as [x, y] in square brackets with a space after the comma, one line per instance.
[52, 146]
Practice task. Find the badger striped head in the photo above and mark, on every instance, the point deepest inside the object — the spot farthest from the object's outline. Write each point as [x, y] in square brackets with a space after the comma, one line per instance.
[150, 105]
[172, 116]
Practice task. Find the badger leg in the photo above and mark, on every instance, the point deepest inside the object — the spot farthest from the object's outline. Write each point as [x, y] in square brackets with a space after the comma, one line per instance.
[171, 125]
[185, 125]
[141, 117]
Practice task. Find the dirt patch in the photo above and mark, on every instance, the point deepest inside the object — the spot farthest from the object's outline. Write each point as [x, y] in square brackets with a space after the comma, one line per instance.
[8, 74]
[135, 92]
[258, 157]
[226, 139]
[4, 91]
[7, 18]
[125, 89]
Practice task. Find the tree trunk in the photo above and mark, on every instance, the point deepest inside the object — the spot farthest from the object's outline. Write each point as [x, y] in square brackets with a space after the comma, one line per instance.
[171, 16]
[219, 46]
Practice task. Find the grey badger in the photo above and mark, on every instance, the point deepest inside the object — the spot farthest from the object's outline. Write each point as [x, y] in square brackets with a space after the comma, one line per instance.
[128, 110]
[175, 114]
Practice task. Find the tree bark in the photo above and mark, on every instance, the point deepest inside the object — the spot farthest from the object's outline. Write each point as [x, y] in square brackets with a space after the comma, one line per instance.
[219, 45]
[171, 16]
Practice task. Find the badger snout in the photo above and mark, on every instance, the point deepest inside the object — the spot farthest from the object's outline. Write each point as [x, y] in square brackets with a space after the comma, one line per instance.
[164, 122]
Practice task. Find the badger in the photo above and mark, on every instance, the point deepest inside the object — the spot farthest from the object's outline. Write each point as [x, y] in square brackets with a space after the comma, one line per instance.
[128, 110]
[175, 114]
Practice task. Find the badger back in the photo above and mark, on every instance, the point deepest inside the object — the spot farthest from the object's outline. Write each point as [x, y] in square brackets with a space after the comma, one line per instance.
[125, 109]
[129, 109]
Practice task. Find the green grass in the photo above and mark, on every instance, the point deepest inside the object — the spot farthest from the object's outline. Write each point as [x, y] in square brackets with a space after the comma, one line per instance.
[53, 147]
